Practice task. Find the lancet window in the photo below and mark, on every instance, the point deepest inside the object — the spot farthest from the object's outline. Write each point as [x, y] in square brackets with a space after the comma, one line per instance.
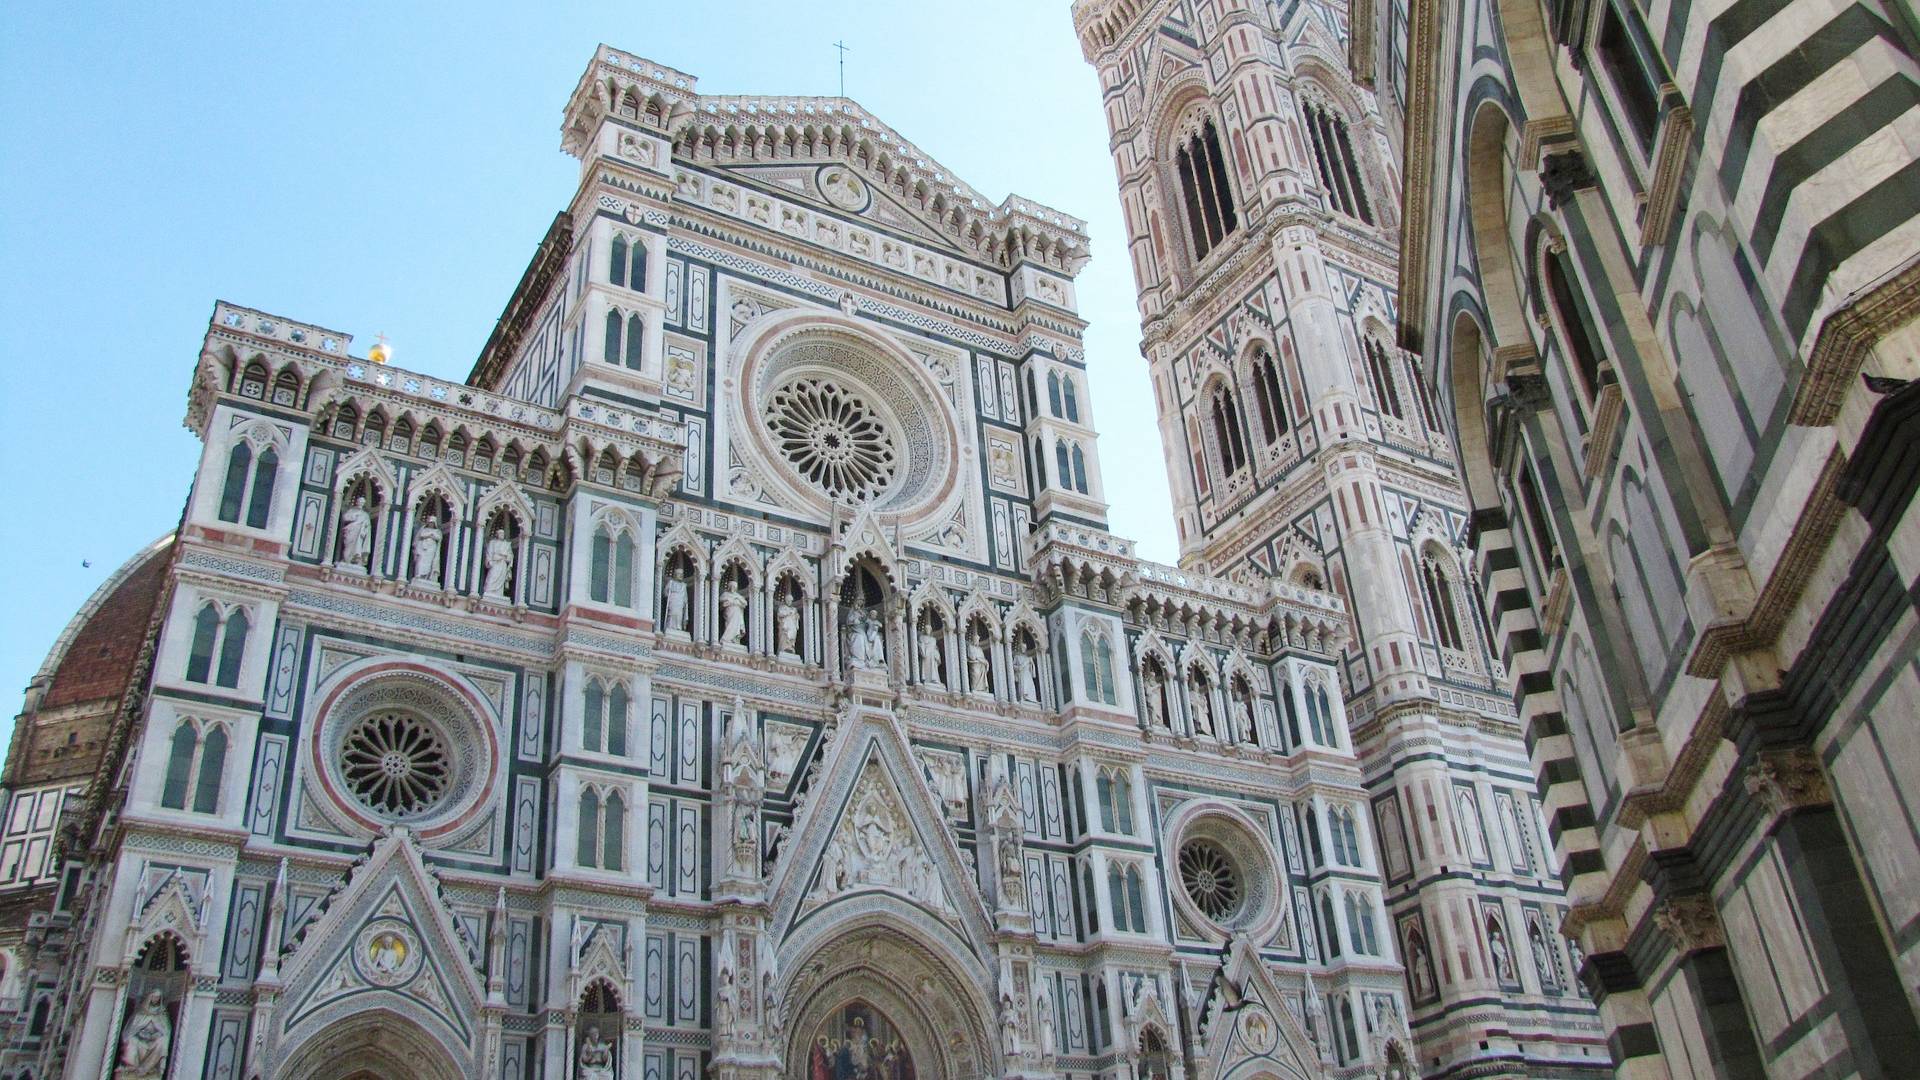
[1205, 189]
[196, 756]
[1334, 161]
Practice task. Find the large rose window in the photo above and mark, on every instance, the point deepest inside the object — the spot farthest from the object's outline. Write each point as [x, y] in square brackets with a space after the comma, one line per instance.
[396, 764]
[833, 437]
[1211, 879]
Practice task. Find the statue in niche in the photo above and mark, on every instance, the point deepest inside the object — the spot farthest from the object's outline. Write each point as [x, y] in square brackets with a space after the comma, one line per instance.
[148, 1037]
[1542, 961]
[426, 550]
[743, 778]
[978, 676]
[863, 638]
[733, 614]
[676, 613]
[1013, 878]
[1242, 719]
[929, 644]
[1417, 964]
[1202, 707]
[499, 562]
[786, 627]
[1156, 702]
[1043, 1006]
[1026, 683]
[1502, 955]
[596, 1056]
[356, 532]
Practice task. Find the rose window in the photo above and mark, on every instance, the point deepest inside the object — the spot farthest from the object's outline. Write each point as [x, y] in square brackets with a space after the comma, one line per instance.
[396, 764]
[1211, 879]
[833, 438]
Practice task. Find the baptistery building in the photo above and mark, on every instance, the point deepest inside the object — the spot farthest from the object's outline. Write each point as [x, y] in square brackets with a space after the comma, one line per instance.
[735, 675]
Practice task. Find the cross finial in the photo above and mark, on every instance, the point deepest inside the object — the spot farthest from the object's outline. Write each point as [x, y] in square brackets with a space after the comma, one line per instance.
[842, 46]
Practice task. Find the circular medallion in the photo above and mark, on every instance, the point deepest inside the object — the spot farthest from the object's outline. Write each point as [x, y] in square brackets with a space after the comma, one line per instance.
[843, 188]
[1257, 1029]
[386, 954]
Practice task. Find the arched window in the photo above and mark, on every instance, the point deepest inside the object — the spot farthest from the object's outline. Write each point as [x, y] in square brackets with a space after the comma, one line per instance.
[1053, 393]
[588, 826]
[1079, 469]
[1065, 463]
[618, 707]
[636, 339]
[614, 833]
[180, 754]
[610, 352]
[239, 463]
[1571, 319]
[1386, 389]
[1103, 788]
[593, 722]
[214, 636]
[1071, 399]
[1226, 430]
[206, 627]
[1334, 161]
[610, 575]
[1314, 849]
[627, 264]
[196, 757]
[1360, 925]
[1266, 392]
[1123, 801]
[1442, 603]
[1136, 901]
[1117, 896]
[1205, 190]
[233, 648]
[1329, 930]
[1092, 908]
[1349, 1033]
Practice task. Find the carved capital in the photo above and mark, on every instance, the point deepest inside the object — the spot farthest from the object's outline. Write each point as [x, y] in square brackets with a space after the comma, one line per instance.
[1788, 780]
[1691, 921]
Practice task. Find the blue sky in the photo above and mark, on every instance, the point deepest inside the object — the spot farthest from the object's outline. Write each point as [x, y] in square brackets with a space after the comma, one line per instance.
[388, 168]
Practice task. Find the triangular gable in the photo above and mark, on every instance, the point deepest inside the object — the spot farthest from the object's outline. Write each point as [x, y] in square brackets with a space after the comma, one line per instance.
[870, 825]
[1248, 1029]
[863, 535]
[386, 939]
[875, 202]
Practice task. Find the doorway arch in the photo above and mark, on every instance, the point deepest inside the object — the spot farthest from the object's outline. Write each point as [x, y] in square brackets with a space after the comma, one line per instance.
[376, 1045]
[880, 971]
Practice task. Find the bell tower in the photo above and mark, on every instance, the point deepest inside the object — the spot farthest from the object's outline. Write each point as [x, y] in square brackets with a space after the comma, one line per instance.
[1304, 448]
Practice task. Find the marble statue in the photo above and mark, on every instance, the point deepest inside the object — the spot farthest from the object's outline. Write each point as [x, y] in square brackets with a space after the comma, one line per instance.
[786, 628]
[499, 561]
[356, 532]
[978, 679]
[676, 602]
[1043, 1007]
[1502, 956]
[1156, 702]
[733, 615]
[596, 1056]
[1202, 709]
[1026, 685]
[1013, 878]
[875, 640]
[929, 645]
[146, 1040]
[1242, 720]
[426, 550]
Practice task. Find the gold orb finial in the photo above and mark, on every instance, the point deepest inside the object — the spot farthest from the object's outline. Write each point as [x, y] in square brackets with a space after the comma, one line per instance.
[381, 351]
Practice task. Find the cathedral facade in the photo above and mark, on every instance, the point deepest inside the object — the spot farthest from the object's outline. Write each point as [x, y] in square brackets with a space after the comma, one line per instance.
[735, 675]
[1663, 260]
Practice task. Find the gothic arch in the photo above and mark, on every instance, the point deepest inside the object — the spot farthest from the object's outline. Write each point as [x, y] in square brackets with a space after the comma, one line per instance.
[377, 1041]
[1488, 182]
[1466, 371]
[931, 995]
